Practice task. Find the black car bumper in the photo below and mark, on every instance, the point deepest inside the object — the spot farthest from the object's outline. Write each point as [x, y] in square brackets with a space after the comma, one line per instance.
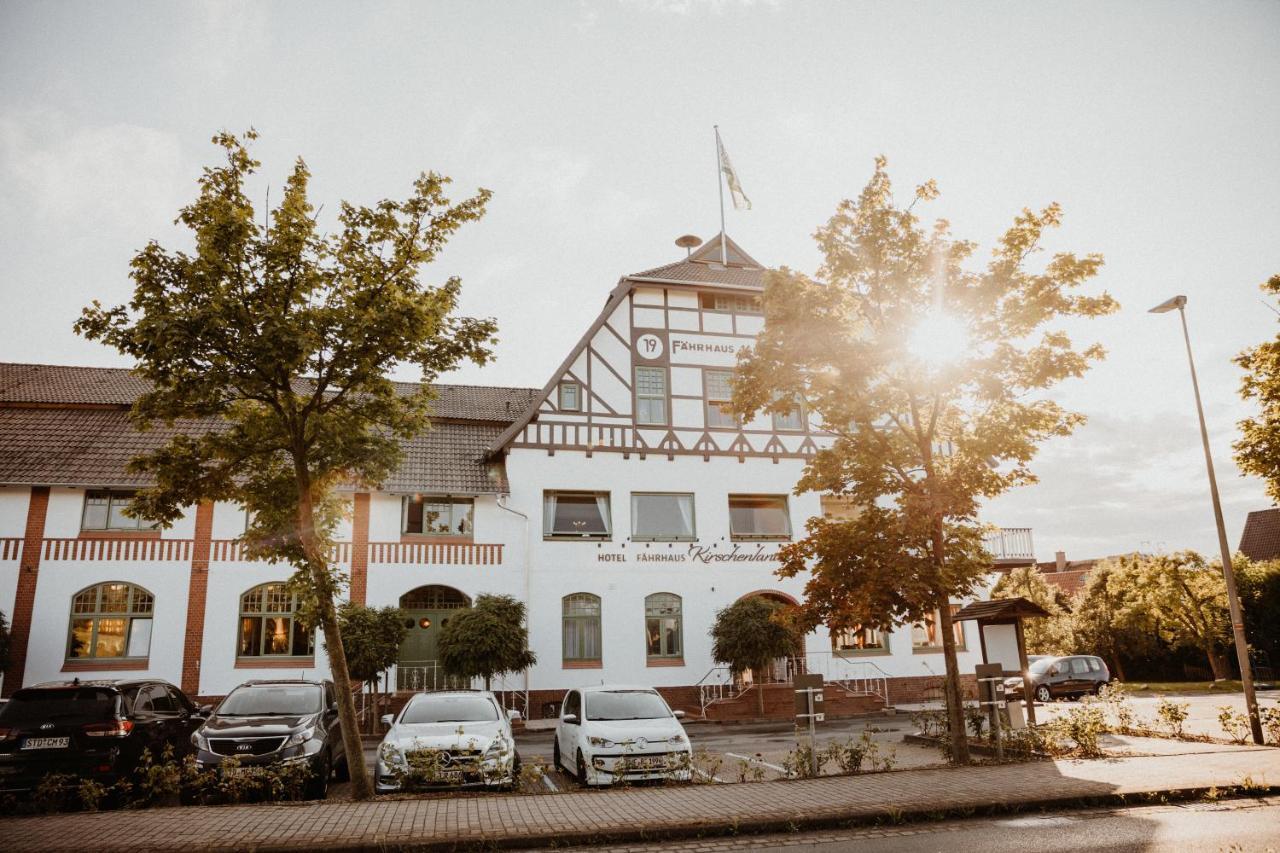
[24, 772]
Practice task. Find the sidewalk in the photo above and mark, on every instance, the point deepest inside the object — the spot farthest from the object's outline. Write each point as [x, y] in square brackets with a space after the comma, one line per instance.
[584, 817]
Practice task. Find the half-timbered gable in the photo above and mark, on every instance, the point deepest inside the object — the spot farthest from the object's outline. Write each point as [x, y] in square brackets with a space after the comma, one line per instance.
[651, 375]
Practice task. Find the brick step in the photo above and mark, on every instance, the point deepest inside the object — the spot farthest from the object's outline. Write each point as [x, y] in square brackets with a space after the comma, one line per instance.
[779, 704]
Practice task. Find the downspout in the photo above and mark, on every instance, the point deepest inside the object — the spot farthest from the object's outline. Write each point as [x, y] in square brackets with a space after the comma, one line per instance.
[528, 605]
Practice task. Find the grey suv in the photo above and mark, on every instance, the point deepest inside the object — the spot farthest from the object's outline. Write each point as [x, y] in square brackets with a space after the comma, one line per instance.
[1062, 677]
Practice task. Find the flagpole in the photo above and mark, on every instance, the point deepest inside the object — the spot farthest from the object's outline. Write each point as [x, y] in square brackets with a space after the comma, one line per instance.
[724, 253]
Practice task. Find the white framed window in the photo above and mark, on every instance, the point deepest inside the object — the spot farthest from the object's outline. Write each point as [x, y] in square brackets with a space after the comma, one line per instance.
[570, 397]
[269, 624]
[759, 517]
[437, 515]
[792, 421]
[663, 626]
[927, 635]
[719, 390]
[576, 515]
[110, 620]
[651, 395]
[662, 517]
[736, 303]
[580, 622]
[104, 510]
[860, 640]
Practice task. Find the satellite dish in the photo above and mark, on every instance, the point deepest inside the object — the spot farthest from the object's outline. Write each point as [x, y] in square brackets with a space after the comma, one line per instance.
[688, 242]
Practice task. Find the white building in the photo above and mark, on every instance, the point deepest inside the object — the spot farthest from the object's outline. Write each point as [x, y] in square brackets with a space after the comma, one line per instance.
[619, 501]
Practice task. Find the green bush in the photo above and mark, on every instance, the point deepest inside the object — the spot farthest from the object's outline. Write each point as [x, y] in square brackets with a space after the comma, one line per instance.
[1084, 725]
[1172, 716]
[1235, 724]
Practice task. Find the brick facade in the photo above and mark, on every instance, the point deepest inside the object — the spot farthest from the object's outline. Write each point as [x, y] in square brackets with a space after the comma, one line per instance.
[360, 547]
[197, 590]
[25, 598]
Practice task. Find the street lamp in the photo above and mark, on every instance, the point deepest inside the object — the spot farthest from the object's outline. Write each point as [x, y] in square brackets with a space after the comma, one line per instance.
[1233, 599]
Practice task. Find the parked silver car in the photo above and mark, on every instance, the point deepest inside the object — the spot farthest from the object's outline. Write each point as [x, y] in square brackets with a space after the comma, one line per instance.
[451, 739]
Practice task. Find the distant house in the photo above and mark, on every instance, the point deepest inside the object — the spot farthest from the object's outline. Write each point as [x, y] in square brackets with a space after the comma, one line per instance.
[1261, 537]
[1069, 576]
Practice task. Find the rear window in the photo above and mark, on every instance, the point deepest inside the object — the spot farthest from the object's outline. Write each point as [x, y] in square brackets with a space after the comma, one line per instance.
[450, 709]
[272, 700]
[60, 705]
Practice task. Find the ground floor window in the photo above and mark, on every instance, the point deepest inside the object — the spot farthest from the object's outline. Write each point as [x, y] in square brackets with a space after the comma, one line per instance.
[663, 625]
[926, 634]
[111, 620]
[581, 623]
[269, 624]
[860, 639]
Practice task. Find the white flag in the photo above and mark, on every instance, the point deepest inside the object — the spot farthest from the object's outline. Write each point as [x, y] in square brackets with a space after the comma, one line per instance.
[740, 200]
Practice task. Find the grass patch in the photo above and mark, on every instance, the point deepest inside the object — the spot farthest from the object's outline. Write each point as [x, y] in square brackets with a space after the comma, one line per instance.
[1148, 688]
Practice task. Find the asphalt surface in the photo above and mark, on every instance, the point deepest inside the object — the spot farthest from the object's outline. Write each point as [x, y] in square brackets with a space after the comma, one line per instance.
[1236, 825]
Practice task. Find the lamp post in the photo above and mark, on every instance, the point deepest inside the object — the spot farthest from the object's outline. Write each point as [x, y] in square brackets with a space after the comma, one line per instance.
[1233, 599]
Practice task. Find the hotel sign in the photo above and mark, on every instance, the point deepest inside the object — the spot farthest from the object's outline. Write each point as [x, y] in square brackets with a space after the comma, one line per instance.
[739, 553]
[705, 350]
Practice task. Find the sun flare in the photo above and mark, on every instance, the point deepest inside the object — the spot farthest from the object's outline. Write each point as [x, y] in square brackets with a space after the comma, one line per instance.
[939, 339]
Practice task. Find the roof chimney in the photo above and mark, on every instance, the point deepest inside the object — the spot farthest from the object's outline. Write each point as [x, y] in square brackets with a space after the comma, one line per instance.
[1060, 557]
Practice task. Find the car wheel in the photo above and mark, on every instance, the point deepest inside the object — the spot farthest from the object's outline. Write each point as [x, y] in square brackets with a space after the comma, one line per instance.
[582, 771]
[342, 772]
[318, 787]
[555, 754]
[1043, 694]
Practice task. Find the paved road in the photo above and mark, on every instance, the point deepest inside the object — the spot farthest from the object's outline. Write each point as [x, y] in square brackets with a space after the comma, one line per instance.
[1239, 825]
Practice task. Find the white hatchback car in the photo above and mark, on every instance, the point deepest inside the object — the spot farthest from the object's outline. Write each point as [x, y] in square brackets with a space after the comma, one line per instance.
[606, 734]
[447, 740]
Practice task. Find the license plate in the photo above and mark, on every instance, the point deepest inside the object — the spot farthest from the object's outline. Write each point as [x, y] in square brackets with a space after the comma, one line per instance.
[647, 763]
[451, 777]
[46, 743]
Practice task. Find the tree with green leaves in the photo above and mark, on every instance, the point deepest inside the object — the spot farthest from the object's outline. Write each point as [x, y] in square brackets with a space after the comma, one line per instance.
[486, 640]
[372, 638]
[1258, 448]
[1046, 635]
[1260, 600]
[1109, 617]
[751, 634]
[932, 376]
[281, 335]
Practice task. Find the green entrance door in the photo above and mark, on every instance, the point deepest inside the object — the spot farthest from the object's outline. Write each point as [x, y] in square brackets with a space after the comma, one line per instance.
[427, 610]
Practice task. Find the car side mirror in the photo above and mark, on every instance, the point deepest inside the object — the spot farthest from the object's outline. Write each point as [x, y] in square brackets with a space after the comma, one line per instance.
[388, 720]
[513, 715]
[679, 715]
[571, 719]
[205, 711]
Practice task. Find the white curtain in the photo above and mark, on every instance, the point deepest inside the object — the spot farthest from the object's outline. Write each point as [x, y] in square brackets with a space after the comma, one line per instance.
[685, 503]
[549, 514]
[602, 507]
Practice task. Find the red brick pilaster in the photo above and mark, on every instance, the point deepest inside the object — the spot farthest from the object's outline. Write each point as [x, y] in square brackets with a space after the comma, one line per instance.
[197, 590]
[360, 548]
[25, 600]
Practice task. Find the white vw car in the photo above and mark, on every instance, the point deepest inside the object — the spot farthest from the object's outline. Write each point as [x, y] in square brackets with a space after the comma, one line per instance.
[610, 733]
[445, 740]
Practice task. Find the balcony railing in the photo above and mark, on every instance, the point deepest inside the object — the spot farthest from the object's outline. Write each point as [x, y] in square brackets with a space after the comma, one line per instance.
[1011, 544]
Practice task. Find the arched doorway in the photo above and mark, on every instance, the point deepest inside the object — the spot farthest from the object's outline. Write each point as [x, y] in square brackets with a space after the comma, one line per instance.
[781, 669]
[427, 609]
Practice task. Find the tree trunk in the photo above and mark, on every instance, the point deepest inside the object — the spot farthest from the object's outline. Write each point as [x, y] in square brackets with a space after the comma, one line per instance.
[951, 685]
[317, 566]
[1217, 662]
[759, 698]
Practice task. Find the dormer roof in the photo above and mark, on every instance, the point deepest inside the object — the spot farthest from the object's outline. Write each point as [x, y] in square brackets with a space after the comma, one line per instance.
[704, 266]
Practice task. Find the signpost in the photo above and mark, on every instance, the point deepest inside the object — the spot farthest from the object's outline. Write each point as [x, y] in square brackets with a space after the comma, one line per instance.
[991, 696]
[809, 711]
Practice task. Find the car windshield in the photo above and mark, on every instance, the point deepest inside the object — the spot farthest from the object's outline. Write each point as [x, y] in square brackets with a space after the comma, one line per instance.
[61, 705]
[451, 709]
[626, 705]
[271, 700]
[1042, 666]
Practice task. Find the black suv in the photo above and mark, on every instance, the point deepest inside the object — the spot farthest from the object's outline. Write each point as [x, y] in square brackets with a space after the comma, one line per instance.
[94, 729]
[280, 721]
[1069, 677]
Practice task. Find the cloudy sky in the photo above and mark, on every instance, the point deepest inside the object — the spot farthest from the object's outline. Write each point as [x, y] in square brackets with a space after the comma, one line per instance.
[1156, 125]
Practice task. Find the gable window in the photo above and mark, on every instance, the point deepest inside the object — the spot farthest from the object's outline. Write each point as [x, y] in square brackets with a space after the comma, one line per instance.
[269, 624]
[651, 395]
[104, 510]
[926, 634]
[719, 398]
[437, 515]
[581, 628]
[662, 517]
[730, 302]
[662, 626]
[576, 515]
[111, 620]
[792, 421]
[759, 517]
[570, 397]
[859, 640]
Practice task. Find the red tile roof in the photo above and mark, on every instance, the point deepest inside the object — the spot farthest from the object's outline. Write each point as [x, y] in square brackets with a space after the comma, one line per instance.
[1261, 537]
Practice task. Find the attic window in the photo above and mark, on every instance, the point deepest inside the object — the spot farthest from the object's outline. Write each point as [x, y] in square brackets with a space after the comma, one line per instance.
[730, 302]
[570, 397]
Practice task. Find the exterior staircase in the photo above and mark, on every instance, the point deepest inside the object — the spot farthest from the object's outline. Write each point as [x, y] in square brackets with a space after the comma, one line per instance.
[852, 687]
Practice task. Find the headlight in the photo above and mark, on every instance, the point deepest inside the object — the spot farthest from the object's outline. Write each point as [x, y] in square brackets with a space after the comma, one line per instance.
[496, 749]
[199, 741]
[302, 736]
[678, 737]
[600, 741]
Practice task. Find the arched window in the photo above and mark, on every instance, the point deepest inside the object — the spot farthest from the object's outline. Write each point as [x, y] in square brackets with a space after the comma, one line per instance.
[111, 620]
[662, 625]
[269, 626]
[581, 628]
